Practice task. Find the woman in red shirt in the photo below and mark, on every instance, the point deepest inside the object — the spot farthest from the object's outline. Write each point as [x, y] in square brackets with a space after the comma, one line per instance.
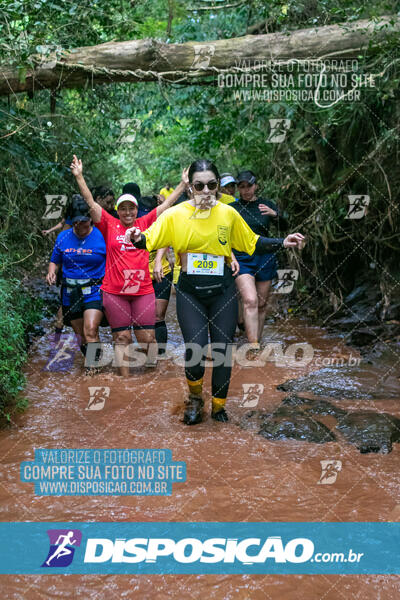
[127, 290]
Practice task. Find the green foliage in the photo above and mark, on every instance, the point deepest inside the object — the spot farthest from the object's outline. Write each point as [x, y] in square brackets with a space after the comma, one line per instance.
[17, 313]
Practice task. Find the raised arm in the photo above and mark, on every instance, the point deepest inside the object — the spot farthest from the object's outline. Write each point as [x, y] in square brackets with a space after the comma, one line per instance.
[172, 198]
[77, 171]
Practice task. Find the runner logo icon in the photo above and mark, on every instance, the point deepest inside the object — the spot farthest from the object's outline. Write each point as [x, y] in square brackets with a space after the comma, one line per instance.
[97, 398]
[286, 280]
[54, 206]
[279, 129]
[202, 55]
[329, 471]
[251, 394]
[62, 547]
[357, 207]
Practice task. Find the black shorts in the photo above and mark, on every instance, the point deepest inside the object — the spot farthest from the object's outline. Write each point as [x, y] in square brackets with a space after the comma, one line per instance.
[162, 289]
[69, 316]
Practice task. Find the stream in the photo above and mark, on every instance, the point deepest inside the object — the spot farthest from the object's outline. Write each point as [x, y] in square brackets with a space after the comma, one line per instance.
[233, 474]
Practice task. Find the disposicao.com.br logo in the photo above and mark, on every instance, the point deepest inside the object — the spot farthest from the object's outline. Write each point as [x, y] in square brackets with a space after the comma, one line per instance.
[249, 551]
[191, 550]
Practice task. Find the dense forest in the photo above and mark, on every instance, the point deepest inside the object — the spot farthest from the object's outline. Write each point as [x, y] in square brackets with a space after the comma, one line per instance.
[147, 131]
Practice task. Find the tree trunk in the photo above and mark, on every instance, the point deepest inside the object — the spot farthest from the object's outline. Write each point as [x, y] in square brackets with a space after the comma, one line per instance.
[151, 60]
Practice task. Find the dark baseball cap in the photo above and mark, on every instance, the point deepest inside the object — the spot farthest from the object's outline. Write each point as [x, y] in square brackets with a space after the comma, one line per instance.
[246, 176]
[77, 218]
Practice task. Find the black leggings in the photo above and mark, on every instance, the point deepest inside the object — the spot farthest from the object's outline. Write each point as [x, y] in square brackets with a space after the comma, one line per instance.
[196, 317]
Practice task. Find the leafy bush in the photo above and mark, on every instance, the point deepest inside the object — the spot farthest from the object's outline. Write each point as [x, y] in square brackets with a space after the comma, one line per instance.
[17, 313]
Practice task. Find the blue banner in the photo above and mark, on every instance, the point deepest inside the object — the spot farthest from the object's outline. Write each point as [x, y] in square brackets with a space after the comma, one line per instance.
[103, 472]
[200, 548]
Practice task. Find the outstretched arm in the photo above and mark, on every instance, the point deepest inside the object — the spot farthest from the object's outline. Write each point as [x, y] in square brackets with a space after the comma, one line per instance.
[77, 171]
[172, 198]
[245, 240]
[266, 245]
[55, 228]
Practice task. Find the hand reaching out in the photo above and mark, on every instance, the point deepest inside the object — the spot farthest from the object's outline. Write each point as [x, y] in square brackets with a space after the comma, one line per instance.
[133, 235]
[76, 166]
[294, 240]
[267, 210]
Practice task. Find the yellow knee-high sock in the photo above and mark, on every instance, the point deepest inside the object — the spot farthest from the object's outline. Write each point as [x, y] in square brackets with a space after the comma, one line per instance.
[195, 387]
[217, 404]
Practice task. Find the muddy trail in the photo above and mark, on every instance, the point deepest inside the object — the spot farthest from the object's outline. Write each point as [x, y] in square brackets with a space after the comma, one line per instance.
[233, 472]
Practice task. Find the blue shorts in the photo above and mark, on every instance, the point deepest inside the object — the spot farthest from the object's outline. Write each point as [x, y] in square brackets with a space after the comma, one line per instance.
[74, 311]
[94, 295]
[261, 266]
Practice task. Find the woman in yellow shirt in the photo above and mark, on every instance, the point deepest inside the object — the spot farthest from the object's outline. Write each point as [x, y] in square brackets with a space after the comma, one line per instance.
[202, 232]
[166, 191]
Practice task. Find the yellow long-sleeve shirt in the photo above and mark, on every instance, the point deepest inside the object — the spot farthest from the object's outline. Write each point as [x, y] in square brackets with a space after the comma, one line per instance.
[221, 231]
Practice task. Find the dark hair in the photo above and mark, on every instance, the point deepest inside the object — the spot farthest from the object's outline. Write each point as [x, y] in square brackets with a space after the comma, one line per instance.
[78, 207]
[102, 191]
[203, 164]
[132, 188]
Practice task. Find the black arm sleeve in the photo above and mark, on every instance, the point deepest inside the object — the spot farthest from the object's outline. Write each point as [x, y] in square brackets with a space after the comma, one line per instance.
[266, 245]
[141, 244]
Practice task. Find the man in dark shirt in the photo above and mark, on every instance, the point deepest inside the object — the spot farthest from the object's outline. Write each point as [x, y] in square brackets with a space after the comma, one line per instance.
[256, 271]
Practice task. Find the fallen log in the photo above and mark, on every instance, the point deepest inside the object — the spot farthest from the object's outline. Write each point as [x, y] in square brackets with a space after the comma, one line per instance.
[191, 62]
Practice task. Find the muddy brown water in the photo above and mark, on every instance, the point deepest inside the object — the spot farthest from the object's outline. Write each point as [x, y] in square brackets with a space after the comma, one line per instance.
[232, 474]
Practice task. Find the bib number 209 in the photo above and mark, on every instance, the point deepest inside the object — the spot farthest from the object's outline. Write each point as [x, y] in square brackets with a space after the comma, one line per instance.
[205, 264]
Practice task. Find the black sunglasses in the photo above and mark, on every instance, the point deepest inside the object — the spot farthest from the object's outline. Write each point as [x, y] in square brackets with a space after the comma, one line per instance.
[199, 186]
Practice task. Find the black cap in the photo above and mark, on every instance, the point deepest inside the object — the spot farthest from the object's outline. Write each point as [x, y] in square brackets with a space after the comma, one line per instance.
[246, 176]
[132, 188]
[76, 218]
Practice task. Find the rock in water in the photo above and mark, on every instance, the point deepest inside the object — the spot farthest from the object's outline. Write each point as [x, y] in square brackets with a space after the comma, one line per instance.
[288, 423]
[370, 431]
[314, 407]
[333, 382]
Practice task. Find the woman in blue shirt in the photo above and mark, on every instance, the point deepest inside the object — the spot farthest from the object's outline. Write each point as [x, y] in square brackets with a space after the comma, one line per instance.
[81, 253]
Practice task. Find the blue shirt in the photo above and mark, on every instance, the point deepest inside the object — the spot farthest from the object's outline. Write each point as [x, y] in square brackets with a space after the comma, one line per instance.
[80, 258]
